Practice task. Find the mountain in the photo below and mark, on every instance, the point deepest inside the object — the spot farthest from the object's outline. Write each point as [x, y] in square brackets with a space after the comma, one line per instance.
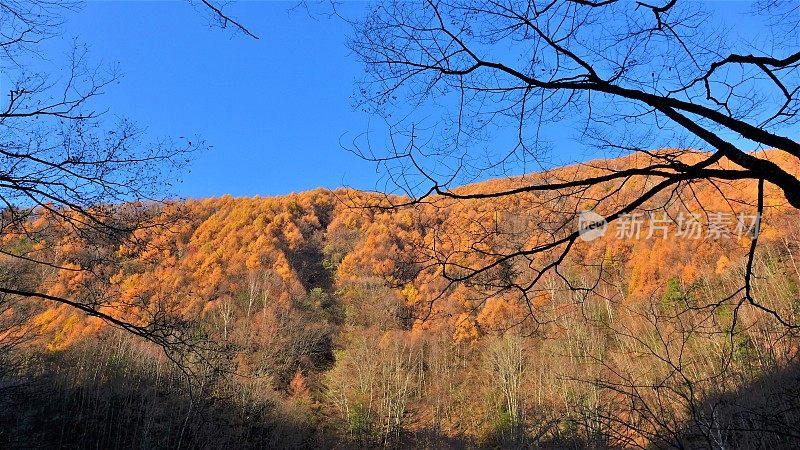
[330, 319]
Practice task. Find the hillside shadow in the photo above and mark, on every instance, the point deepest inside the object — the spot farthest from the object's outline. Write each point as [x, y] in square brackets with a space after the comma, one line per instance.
[124, 409]
[119, 405]
[308, 264]
[763, 414]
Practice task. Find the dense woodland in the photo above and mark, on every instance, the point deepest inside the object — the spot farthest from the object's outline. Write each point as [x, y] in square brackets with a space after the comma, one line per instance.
[322, 320]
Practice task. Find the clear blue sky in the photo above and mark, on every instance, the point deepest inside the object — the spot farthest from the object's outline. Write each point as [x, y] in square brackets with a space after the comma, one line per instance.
[274, 109]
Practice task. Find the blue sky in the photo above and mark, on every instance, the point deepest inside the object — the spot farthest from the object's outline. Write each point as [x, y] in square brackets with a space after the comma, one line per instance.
[275, 110]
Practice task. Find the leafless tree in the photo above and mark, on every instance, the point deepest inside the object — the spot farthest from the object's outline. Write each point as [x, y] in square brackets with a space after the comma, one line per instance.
[489, 79]
[470, 89]
[71, 172]
[223, 19]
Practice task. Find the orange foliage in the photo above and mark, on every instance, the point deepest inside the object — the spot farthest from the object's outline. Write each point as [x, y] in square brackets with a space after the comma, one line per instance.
[274, 251]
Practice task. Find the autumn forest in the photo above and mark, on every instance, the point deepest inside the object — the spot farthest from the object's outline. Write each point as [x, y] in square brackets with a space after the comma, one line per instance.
[313, 320]
[486, 294]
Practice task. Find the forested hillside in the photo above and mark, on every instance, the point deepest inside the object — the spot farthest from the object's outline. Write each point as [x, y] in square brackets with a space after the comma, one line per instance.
[330, 319]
